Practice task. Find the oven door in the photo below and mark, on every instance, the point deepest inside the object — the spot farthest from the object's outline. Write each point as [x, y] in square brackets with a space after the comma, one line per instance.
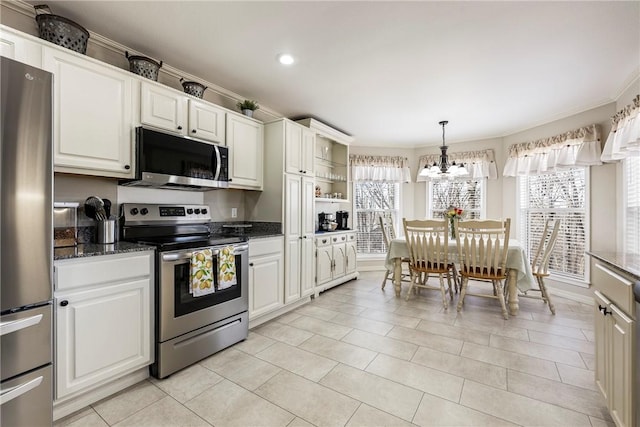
[179, 311]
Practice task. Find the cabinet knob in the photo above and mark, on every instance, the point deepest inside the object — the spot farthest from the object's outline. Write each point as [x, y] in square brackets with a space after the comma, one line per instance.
[250, 264]
[230, 180]
[179, 127]
[193, 131]
[127, 167]
[64, 303]
[301, 171]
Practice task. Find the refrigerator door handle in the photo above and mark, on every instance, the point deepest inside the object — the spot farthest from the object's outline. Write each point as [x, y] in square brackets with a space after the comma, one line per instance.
[19, 390]
[16, 325]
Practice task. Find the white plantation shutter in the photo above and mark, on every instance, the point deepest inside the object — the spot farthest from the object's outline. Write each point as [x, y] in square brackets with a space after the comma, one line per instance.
[559, 195]
[631, 171]
[373, 199]
[466, 194]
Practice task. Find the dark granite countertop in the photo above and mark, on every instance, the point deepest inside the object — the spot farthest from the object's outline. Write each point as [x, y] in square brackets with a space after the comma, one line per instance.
[628, 263]
[92, 249]
[261, 234]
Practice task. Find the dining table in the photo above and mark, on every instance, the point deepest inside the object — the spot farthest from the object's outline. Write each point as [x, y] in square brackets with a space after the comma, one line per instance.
[519, 275]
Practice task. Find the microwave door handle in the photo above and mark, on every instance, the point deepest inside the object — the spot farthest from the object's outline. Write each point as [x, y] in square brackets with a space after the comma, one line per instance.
[218, 160]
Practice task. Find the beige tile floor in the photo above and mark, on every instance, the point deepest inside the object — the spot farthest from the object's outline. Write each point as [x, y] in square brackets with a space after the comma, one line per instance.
[359, 356]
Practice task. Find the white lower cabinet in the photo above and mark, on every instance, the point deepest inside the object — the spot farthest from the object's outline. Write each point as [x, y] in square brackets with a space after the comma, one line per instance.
[266, 276]
[103, 325]
[615, 343]
[335, 259]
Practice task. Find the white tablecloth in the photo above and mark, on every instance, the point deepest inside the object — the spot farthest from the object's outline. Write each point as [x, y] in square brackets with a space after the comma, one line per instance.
[516, 259]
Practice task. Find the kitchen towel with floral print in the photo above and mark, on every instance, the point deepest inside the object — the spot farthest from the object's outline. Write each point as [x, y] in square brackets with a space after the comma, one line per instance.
[202, 273]
[226, 268]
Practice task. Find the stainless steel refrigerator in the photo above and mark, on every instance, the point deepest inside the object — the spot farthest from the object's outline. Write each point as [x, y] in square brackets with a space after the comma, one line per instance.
[26, 245]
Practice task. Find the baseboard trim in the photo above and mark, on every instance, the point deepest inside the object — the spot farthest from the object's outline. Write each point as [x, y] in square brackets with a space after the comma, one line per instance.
[279, 312]
[585, 299]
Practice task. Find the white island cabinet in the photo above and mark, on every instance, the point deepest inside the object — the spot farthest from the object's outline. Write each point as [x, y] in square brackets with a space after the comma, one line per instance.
[335, 259]
[103, 325]
[615, 336]
[92, 115]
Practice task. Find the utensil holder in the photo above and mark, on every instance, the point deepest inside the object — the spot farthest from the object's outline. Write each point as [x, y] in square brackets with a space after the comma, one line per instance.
[106, 231]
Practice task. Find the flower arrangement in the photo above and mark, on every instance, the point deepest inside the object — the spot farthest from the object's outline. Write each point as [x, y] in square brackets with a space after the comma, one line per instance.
[453, 214]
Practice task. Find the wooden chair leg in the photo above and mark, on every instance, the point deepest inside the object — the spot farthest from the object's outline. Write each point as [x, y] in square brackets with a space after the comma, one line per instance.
[413, 278]
[445, 304]
[545, 295]
[463, 292]
[449, 284]
[498, 287]
[386, 277]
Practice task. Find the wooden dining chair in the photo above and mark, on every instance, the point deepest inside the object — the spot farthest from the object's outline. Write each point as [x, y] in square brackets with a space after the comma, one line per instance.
[388, 234]
[540, 263]
[482, 254]
[428, 243]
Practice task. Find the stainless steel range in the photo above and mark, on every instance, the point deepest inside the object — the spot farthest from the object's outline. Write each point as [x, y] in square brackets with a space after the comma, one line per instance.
[201, 288]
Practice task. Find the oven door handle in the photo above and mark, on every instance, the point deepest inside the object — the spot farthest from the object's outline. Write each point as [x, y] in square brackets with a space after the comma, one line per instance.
[187, 255]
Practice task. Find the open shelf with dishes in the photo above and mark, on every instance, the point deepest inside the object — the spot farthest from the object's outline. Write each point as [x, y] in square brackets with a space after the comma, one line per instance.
[331, 170]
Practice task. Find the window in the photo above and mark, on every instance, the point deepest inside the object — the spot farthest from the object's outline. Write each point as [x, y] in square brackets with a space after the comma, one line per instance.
[559, 195]
[374, 198]
[466, 194]
[631, 203]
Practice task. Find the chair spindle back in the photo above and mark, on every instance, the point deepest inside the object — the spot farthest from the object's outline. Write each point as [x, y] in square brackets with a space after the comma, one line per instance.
[482, 247]
[540, 262]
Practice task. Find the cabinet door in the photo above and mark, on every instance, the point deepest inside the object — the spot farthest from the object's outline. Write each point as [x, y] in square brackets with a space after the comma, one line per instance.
[308, 160]
[602, 343]
[93, 126]
[307, 262]
[307, 231]
[621, 367]
[101, 334]
[266, 284]
[293, 148]
[324, 264]
[351, 252]
[163, 108]
[245, 139]
[19, 48]
[339, 260]
[293, 259]
[206, 121]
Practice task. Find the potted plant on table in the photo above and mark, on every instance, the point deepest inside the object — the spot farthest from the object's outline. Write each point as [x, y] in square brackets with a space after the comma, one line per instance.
[247, 107]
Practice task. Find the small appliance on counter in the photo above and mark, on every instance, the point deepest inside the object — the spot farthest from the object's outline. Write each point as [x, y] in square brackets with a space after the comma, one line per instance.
[342, 220]
[65, 224]
[326, 222]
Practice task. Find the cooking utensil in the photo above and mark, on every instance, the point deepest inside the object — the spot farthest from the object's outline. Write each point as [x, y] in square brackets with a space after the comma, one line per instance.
[96, 208]
[107, 207]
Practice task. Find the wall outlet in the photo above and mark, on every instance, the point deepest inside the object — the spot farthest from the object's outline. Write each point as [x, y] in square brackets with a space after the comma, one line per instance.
[234, 212]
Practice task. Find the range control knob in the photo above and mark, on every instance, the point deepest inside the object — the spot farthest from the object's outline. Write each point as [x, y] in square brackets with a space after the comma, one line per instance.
[204, 211]
[197, 211]
[134, 211]
[144, 211]
[189, 211]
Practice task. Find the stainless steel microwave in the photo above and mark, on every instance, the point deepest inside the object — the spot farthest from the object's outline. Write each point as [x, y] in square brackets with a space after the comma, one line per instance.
[174, 162]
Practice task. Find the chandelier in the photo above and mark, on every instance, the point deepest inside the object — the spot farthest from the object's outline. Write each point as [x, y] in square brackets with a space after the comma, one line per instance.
[444, 169]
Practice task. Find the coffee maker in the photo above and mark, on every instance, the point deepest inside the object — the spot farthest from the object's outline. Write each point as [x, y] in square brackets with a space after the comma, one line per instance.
[326, 222]
[342, 217]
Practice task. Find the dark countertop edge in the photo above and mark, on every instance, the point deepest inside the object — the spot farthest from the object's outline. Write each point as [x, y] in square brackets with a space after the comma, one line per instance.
[92, 249]
[252, 236]
[629, 263]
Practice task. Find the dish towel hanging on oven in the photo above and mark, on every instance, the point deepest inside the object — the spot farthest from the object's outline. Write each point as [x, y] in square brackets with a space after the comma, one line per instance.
[202, 273]
[226, 268]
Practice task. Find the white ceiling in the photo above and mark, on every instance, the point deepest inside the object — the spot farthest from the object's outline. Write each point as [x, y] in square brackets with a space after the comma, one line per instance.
[388, 72]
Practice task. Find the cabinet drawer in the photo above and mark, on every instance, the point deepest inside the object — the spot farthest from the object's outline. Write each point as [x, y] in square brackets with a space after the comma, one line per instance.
[338, 238]
[351, 237]
[616, 287]
[259, 247]
[86, 272]
[323, 241]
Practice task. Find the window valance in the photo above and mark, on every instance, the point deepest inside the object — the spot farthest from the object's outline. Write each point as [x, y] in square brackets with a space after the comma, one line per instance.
[380, 168]
[479, 164]
[579, 147]
[624, 138]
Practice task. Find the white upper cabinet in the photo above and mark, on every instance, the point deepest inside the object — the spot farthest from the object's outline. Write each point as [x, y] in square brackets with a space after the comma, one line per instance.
[167, 109]
[299, 149]
[163, 108]
[245, 139]
[93, 125]
[206, 121]
[20, 47]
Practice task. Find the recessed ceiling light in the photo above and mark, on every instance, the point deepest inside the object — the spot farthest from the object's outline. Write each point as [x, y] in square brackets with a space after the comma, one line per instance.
[285, 59]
